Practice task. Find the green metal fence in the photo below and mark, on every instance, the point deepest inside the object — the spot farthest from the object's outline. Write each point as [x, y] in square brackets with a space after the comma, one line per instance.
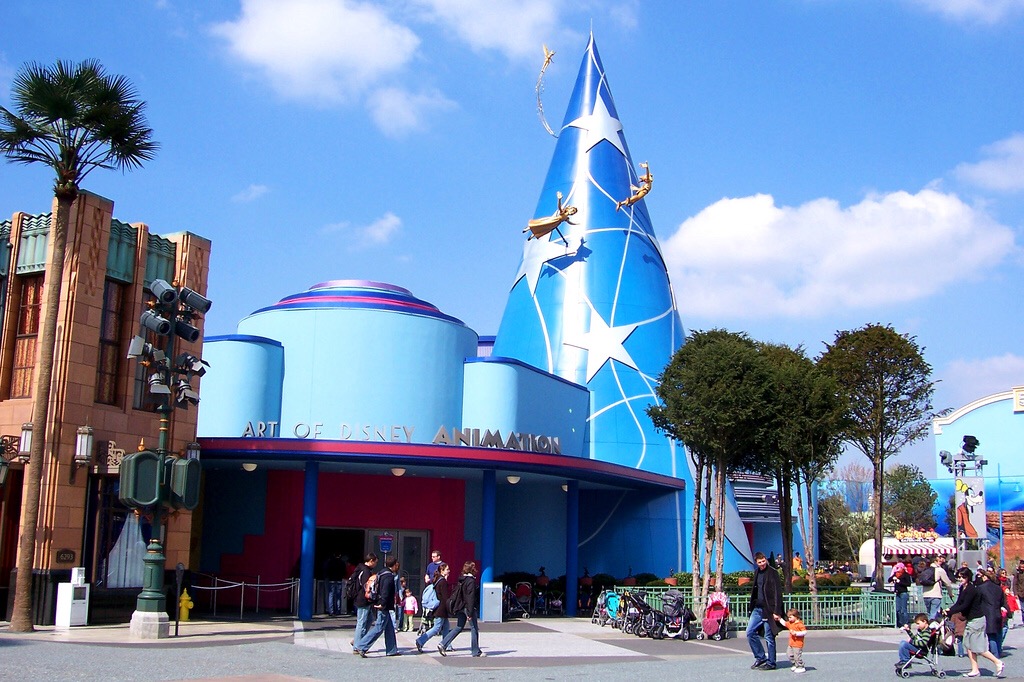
[826, 611]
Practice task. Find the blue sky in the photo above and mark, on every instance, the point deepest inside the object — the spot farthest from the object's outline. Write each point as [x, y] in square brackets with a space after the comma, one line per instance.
[818, 164]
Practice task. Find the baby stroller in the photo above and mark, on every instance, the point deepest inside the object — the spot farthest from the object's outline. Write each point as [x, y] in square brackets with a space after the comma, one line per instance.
[630, 613]
[716, 618]
[524, 595]
[511, 608]
[607, 609]
[678, 615]
[928, 655]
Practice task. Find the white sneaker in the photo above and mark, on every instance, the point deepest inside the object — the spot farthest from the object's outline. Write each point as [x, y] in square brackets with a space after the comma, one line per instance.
[801, 669]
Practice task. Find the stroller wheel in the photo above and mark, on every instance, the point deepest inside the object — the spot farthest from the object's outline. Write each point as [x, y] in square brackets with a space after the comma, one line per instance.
[941, 674]
[717, 636]
[903, 673]
[700, 635]
[593, 619]
[685, 634]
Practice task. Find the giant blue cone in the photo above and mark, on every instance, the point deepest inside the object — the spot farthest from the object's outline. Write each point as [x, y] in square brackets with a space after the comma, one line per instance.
[599, 310]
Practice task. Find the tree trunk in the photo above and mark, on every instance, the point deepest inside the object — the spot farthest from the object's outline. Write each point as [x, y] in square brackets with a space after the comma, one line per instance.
[879, 461]
[720, 527]
[710, 507]
[21, 616]
[697, 527]
[786, 523]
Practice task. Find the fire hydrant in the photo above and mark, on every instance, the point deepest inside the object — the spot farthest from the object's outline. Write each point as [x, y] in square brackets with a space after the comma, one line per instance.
[184, 605]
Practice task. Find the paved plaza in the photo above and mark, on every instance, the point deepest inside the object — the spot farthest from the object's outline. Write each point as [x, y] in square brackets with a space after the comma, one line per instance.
[282, 650]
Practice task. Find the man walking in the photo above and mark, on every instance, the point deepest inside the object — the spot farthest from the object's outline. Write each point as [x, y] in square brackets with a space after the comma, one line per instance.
[383, 605]
[435, 561]
[932, 581]
[357, 581]
[765, 605]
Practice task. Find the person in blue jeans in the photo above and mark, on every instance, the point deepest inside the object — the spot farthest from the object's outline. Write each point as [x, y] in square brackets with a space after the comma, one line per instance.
[901, 582]
[384, 624]
[440, 615]
[765, 605]
[918, 631]
[464, 598]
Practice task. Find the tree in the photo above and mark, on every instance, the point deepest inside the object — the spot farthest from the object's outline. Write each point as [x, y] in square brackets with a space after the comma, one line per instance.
[842, 531]
[73, 118]
[801, 442]
[713, 394]
[909, 498]
[887, 383]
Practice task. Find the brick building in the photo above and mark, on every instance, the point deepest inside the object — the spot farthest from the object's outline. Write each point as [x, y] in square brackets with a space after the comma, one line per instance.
[81, 520]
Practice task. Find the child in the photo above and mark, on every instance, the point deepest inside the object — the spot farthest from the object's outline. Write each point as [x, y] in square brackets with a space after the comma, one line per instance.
[410, 606]
[797, 632]
[918, 631]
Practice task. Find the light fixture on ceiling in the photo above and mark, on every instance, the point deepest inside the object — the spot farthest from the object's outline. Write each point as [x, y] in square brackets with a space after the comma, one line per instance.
[397, 471]
[249, 466]
[565, 487]
[513, 479]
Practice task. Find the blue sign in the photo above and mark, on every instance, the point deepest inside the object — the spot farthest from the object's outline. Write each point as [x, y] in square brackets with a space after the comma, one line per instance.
[386, 541]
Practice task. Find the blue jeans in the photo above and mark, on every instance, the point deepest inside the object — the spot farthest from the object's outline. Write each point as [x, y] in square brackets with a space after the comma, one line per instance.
[460, 625]
[362, 624]
[757, 622]
[334, 597]
[931, 606]
[384, 625]
[907, 651]
[440, 626]
[902, 617]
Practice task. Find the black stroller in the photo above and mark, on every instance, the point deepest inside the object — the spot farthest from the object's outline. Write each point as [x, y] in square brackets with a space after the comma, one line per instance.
[631, 609]
[678, 615]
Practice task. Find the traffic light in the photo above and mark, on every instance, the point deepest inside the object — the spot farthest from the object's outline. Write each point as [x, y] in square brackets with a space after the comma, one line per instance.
[140, 479]
[185, 475]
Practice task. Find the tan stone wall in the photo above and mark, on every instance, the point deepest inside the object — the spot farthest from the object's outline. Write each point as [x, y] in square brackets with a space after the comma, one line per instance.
[64, 486]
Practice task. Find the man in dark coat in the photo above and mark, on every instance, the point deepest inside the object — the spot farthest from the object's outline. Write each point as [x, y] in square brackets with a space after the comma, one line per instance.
[765, 605]
[993, 600]
[383, 607]
[360, 575]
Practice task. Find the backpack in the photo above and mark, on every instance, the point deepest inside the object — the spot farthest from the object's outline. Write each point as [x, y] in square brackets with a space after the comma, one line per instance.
[353, 585]
[430, 600]
[371, 591]
[456, 602]
[926, 578]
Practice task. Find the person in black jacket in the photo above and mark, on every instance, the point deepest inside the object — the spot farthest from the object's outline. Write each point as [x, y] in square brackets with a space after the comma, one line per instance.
[901, 583]
[440, 615]
[970, 605]
[383, 606]
[993, 601]
[464, 603]
[765, 605]
[359, 576]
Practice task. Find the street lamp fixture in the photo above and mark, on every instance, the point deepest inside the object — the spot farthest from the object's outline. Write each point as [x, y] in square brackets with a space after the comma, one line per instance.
[25, 453]
[192, 450]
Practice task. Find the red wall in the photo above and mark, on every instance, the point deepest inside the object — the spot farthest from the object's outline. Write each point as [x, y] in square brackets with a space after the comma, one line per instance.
[347, 501]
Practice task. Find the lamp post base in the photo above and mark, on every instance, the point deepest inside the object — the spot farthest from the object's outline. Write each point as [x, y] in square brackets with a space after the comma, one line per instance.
[150, 625]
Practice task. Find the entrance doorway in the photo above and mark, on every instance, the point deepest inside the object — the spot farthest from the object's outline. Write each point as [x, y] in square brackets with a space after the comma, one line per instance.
[343, 542]
[410, 546]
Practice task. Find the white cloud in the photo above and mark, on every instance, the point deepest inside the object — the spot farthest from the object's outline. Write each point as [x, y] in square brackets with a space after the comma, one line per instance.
[974, 11]
[749, 258]
[377, 233]
[514, 27]
[326, 51]
[398, 112]
[250, 193]
[1002, 171]
[968, 380]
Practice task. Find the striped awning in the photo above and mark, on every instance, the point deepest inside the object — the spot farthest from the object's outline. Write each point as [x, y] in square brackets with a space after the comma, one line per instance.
[893, 547]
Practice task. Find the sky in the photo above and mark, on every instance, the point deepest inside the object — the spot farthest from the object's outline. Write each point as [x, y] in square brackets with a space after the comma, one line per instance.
[819, 165]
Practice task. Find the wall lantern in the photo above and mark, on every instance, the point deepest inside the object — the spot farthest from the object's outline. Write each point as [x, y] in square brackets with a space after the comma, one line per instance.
[192, 450]
[25, 453]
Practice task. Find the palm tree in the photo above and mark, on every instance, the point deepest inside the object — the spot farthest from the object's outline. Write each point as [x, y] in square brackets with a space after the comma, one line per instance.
[72, 118]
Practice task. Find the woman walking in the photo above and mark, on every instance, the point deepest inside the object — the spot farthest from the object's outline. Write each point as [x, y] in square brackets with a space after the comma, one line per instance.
[440, 616]
[463, 606]
[969, 603]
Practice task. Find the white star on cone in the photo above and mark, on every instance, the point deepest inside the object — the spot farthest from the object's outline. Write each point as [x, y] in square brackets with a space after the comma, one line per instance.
[603, 343]
[600, 126]
[537, 252]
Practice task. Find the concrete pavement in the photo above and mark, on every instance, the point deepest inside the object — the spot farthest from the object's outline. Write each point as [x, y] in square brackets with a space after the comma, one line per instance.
[282, 650]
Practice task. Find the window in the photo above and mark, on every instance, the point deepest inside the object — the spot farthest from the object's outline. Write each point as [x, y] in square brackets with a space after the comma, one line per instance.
[107, 369]
[25, 342]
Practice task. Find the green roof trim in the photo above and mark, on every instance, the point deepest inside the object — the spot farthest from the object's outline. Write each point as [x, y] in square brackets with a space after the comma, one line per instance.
[35, 235]
[122, 247]
[160, 259]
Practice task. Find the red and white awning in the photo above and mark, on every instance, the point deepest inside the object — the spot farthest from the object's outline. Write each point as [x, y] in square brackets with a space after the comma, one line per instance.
[892, 547]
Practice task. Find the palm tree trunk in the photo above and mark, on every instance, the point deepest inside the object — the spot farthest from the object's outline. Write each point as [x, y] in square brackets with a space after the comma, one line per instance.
[21, 616]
